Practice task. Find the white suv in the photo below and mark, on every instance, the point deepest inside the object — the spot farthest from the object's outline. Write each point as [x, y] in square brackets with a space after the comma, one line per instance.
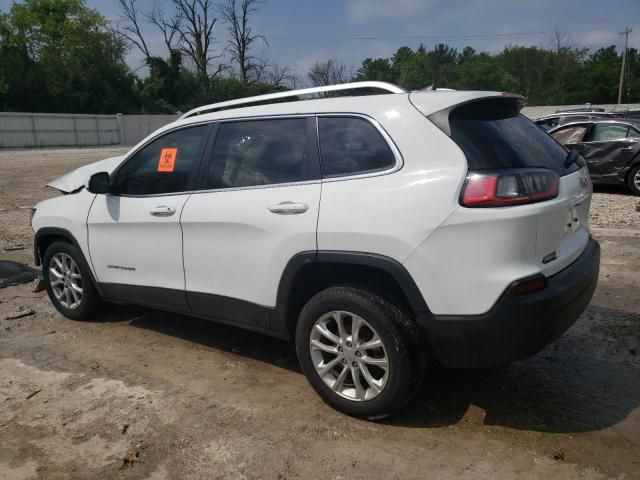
[371, 229]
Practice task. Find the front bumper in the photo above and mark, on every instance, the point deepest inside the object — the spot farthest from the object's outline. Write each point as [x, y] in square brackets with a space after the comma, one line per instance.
[516, 327]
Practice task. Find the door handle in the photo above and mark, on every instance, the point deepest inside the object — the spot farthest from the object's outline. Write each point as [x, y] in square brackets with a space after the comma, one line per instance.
[626, 149]
[163, 211]
[289, 208]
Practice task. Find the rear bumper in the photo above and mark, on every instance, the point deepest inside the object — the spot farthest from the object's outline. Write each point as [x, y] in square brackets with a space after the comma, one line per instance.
[516, 327]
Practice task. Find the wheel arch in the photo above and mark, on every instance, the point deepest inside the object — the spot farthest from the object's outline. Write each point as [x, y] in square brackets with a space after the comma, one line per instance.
[633, 163]
[307, 273]
[47, 235]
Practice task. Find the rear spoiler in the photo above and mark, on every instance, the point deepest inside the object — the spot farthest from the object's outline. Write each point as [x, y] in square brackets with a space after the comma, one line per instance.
[507, 103]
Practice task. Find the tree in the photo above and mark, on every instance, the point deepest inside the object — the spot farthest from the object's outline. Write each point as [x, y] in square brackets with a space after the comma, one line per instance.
[441, 62]
[330, 72]
[60, 56]
[376, 69]
[241, 38]
[168, 25]
[130, 29]
[195, 32]
[414, 71]
[602, 70]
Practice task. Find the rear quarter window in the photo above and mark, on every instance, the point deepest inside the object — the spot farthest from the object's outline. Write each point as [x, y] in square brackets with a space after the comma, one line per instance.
[493, 135]
[351, 146]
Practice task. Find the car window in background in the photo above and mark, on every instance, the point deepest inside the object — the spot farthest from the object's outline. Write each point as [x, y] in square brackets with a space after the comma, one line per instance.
[633, 133]
[163, 166]
[605, 131]
[351, 145]
[260, 152]
[573, 134]
[548, 123]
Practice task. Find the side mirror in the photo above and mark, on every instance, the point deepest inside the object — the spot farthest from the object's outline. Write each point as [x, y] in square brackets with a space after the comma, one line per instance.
[574, 156]
[99, 183]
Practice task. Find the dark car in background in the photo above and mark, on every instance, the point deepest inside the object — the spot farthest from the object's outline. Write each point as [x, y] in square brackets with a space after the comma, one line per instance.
[633, 114]
[548, 122]
[610, 147]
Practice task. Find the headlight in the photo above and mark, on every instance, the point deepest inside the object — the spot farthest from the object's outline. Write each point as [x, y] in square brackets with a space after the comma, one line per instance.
[31, 214]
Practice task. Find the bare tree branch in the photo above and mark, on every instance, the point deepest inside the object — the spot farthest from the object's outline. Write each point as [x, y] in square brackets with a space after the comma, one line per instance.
[195, 33]
[130, 29]
[237, 18]
[277, 76]
[327, 73]
[169, 26]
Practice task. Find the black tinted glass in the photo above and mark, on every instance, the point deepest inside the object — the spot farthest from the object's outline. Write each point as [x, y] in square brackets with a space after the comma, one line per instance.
[493, 134]
[260, 152]
[350, 145]
[163, 166]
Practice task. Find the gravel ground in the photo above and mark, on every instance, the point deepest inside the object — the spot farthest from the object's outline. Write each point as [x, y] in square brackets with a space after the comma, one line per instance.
[614, 207]
[144, 394]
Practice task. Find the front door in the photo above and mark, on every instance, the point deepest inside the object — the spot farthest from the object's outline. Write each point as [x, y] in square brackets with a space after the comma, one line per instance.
[257, 208]
[135, 240]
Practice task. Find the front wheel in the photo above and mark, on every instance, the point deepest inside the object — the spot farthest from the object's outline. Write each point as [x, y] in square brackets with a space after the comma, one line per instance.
[354, 353]
[68, 281]
[634, 180]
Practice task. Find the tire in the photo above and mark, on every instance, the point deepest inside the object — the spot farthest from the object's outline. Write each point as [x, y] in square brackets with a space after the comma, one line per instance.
[390, 388]
[633, 180]
[64, 261]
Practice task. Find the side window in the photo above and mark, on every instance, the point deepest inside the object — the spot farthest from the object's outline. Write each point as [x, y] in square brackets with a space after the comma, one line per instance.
[351, 145]
[569, 135]
[163, 166]
[261, 152]
[633, 133]
[609, 131]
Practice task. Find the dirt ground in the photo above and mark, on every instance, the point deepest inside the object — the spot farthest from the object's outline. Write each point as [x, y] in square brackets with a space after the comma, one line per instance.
[146, 394]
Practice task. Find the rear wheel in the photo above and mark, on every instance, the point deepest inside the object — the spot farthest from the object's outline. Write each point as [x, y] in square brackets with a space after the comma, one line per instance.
[634, 180]
[68, 281]
[353, 351]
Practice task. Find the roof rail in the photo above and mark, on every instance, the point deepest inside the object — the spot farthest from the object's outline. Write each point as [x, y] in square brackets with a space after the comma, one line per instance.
[388, 87]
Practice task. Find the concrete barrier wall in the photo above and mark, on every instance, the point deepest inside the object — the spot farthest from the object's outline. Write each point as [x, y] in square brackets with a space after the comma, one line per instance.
[28, 130]
[20, 130]
[134, 128]
[536, 112]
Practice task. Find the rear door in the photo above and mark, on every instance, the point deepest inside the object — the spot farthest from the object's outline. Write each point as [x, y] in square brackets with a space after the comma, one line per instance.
[257, 207]
[135, 240]
[608, 148]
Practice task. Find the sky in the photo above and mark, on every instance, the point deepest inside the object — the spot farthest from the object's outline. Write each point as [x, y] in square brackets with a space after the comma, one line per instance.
[302, 32]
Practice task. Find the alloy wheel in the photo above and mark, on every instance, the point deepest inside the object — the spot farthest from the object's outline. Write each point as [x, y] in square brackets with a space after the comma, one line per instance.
[65, 280]
[349, 356]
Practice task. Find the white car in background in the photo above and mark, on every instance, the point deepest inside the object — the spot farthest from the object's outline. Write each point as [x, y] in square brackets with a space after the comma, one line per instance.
[371, 229]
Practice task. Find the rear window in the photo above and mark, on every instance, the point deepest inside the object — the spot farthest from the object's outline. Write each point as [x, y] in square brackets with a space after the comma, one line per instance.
[493, 134]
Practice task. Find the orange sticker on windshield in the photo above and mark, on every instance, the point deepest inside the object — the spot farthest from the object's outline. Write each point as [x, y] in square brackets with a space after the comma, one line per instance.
[167, 159]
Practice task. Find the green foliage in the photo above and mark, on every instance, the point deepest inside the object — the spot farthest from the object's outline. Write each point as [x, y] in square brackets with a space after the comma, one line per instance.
[59, 56]
[566, 75]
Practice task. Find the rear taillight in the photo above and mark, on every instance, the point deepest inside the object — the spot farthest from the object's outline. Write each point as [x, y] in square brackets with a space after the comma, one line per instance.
[508, 187]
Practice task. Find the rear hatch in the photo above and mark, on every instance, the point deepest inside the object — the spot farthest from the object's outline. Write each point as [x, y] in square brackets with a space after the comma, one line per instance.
[512, 163]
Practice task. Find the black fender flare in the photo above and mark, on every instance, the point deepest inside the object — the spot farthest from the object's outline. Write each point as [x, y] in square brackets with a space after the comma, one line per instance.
[381, 262]
[67, 235]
